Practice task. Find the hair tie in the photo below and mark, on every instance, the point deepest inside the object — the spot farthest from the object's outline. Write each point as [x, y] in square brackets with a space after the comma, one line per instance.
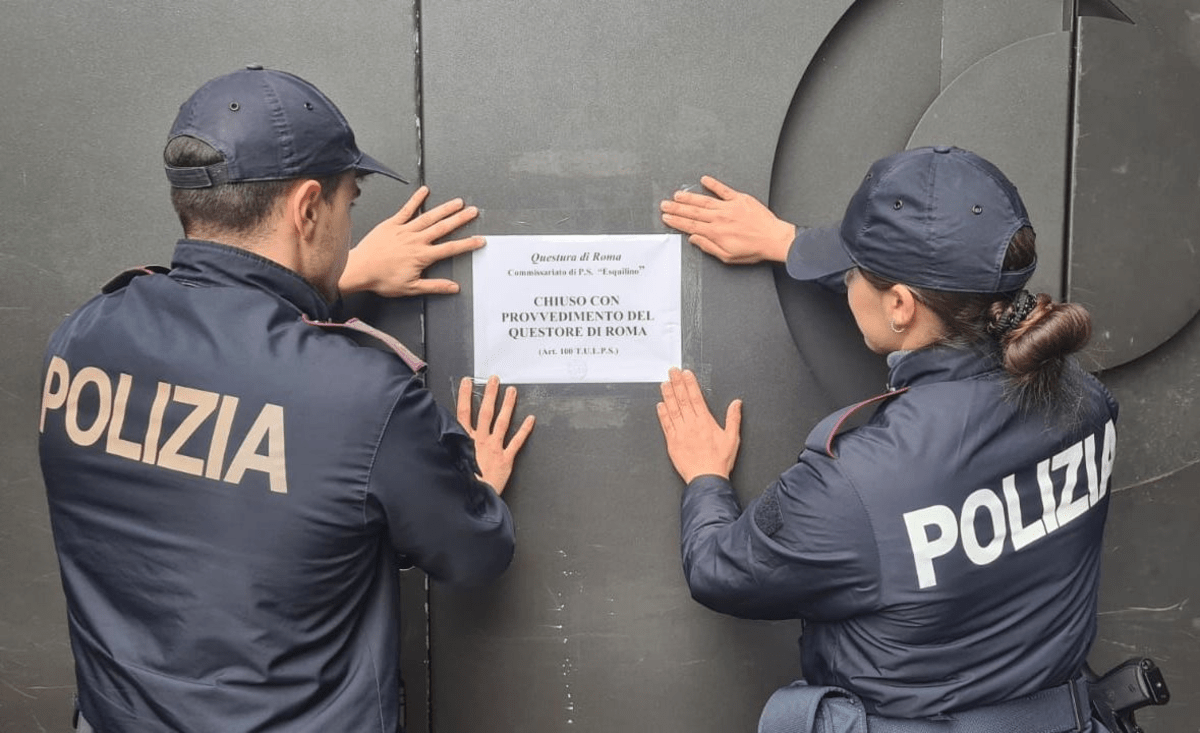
[1022, 305]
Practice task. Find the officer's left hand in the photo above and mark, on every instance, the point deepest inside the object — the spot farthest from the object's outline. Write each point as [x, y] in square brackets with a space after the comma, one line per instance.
[391, 259]
[494, 457]
[696, 444]
[732, 226]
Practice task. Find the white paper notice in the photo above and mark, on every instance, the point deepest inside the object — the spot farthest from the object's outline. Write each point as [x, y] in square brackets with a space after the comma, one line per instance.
[582, 308]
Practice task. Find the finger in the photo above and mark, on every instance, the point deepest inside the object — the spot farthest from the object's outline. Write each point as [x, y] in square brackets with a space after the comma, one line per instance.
[438, 229]
[720, 189]
[410, 207]
[453, 248]
[451, 208]
[695, 397]
[680, 391]
[664, 420]
[432, 286]
[733, 418]
[685, 213]
[683, 224]
[694, 198]
[519, 437]
[464, 404]
[686, 203]
[487, 406]
[504, 417]
[706, 245]
[670, 401]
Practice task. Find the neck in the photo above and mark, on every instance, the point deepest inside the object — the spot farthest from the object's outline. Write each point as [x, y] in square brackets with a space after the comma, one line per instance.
[926, 330]
[269, 242]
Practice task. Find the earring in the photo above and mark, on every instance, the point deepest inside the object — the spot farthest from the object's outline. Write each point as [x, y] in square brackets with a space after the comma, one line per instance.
[892, 323]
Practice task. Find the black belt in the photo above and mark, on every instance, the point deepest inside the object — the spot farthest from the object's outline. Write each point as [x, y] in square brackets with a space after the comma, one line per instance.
[1056, 710]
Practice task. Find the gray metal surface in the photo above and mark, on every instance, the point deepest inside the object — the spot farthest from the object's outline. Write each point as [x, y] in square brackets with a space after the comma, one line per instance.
[993, 79]
[888, 75]
[89, 93]
[1133, 261]
[1134, 251]
[564, 117]
[579, 118]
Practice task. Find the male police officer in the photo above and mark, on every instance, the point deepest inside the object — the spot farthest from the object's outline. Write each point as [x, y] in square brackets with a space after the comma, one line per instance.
[232, 479]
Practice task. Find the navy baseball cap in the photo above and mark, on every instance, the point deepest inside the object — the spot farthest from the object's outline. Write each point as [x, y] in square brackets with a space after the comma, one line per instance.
[270, 126]
[939, 218]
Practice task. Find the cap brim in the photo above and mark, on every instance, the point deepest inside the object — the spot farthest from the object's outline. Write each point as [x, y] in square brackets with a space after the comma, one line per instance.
[367, 164]
[817, 254]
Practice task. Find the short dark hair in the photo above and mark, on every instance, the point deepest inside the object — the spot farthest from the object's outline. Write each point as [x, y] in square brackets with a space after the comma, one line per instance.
[1034, 353]
[238, 208]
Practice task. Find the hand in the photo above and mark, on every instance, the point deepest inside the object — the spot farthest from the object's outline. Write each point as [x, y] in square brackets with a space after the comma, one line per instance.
[391, 258]
[696, 444]
[734, 227]
[495, 459]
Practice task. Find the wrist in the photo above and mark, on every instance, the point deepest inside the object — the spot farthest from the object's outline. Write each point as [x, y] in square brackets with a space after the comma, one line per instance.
[782, 243]
[693, 475]
[704, 481]
[352, 281]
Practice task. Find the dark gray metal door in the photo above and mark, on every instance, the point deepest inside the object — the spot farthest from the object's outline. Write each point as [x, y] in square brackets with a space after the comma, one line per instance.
[570, 117]
[589, 114]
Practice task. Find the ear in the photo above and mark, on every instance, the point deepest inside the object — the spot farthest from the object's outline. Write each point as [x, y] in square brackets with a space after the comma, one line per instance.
[901, 305]
[303, 208]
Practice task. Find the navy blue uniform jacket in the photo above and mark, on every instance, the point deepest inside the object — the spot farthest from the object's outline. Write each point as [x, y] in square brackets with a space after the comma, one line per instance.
[944, 555]
[229, 489]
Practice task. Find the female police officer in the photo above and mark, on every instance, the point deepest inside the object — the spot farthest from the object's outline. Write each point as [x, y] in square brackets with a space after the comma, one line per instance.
[945, 555]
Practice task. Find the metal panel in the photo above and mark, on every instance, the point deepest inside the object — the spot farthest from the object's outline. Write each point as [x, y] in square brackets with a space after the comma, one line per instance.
[994, 80]
[975, 30]
[1134, 228]
[554, 158]
[1150, 581]
[1135, 225]
[578, 118]
[559, 117]
[90, 90]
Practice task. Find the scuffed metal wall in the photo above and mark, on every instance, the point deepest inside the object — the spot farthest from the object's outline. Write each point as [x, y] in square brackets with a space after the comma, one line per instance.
[564, 117]
[593, 114]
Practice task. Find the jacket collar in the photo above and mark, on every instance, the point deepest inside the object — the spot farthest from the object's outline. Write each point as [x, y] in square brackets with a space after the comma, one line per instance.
[203, 263]
[908, 369]
[941, 364]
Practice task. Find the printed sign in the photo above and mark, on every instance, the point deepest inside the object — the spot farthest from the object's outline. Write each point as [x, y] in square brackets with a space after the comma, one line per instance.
[582, 308]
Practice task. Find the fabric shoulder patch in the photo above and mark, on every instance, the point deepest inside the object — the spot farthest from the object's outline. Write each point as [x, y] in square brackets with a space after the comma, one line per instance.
[126, 277]
[822, 436]
[768, 517]
[406, 355]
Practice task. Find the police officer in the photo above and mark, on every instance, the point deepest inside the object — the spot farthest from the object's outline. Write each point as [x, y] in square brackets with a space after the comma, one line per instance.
[233, 480]
[945, 555]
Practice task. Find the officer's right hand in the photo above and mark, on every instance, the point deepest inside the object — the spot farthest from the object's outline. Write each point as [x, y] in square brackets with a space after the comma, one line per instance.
[696, 444]
[734, 227]
[494, 457]
[391, 260]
